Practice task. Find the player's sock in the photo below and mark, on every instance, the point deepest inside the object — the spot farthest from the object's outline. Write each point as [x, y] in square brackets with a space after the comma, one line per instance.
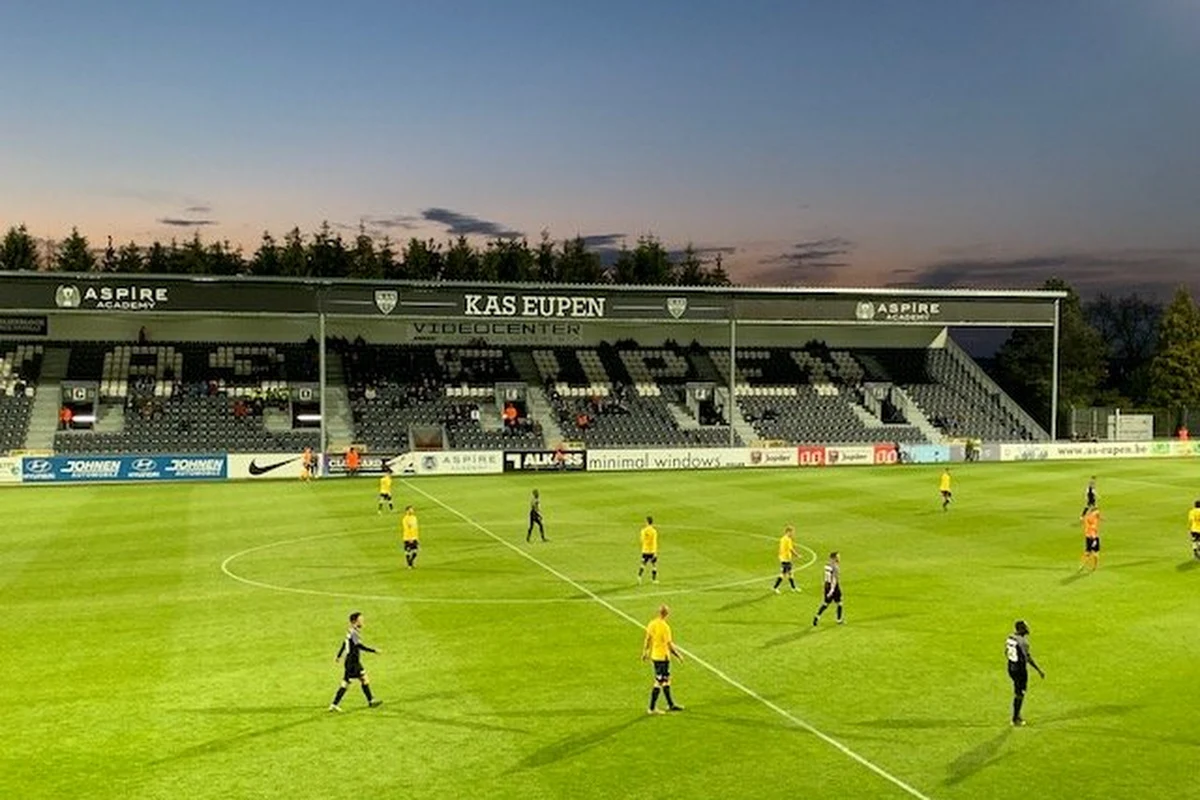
[654, 575]
[821, 610]
[839, 612]
[778, 581]
[792, 581]
[654, 697]
[337, 698]
[367, 691]
[1018, 701]
[667, 694]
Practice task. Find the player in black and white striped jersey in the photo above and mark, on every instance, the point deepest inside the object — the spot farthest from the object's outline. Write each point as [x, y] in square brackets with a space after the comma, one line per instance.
[833, 589]
[1089, 497]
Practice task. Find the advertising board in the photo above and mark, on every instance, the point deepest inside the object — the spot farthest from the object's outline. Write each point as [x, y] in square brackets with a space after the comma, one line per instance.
[263, 466]
[535, 460]
[10, 470]
[927, 453]
[848, 456]
[772, 457]
[123, 468]
[683, 458]
[808, 455]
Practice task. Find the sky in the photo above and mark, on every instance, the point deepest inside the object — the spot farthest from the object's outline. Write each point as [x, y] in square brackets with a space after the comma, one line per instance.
[813, 142]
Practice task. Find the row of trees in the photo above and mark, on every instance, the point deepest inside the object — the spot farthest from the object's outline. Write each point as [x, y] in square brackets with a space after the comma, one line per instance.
[1129, 352]
[325, 254]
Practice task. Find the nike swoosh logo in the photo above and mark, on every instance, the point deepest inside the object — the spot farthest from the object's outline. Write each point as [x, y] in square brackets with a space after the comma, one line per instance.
[256, 469]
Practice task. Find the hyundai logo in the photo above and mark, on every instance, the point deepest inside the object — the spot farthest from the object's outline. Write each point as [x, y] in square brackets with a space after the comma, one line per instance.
[39, 465]
[144, 465]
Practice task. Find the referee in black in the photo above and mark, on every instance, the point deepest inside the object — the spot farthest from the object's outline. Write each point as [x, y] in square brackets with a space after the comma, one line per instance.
[535, 517]
[1020, 658]
[352, 647]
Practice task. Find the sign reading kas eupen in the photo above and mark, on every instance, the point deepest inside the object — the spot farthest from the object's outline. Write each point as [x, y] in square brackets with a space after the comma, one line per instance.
[533, 305]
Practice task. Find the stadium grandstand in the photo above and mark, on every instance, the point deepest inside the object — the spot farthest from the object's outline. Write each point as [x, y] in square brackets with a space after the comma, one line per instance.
[171, 365]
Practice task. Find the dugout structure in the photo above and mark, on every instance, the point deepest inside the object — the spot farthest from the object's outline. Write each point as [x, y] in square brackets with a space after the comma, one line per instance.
[55, 306]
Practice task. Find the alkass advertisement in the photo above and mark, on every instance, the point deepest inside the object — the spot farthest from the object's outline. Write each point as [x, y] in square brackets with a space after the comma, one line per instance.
[773, 457]
[259, 466]
[535, 460]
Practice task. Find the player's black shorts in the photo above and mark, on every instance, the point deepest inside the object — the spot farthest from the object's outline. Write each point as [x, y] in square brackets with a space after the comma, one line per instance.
[834, 596]
[785, 567]
[411, 544]
[649, 558]
[1196, 536]
[1091, 544]
[354, 672]
[662, 671]
[1091, 498]
[385, 496]
[947, 494]
[534, 517]
[1020, 679]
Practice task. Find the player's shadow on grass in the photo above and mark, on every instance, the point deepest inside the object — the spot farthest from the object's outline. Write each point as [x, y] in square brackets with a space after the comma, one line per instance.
[922, 724]
[227, 742]
[1031, 567]
[805, 629]
[575, 744]
[1087, 712]
[977, 759]
[746, 601]
[408, 715]
[1078, 575]
[1188, 566]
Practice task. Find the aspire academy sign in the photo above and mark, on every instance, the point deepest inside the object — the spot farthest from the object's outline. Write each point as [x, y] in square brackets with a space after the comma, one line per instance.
[533, 305]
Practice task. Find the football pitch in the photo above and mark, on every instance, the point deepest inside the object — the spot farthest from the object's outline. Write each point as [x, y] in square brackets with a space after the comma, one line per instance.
[178, 640]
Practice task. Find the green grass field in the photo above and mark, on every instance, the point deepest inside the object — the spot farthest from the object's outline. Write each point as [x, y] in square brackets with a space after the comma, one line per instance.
[137, 666]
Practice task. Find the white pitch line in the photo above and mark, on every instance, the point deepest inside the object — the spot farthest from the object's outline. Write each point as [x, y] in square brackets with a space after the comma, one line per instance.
[783, 712]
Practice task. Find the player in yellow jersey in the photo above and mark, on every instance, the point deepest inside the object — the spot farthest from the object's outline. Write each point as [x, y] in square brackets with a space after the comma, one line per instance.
[1194, 527]
[385, 492]
[944, 488]
[1091, 540]
[787, 551]
[659, 647]
[649, 538]
[410, 532]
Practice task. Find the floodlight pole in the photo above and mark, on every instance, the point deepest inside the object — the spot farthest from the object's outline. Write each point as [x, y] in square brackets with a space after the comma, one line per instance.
[1054, 374]
[321, 376]
[732, 379]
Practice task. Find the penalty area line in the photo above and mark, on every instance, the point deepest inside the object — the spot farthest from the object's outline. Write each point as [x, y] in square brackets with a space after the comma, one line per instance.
[719, 673]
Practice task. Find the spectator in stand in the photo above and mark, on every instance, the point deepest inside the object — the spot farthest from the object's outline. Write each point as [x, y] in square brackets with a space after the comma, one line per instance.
[240, 411]
[65, 415]
[582, 421]
[1183, 433]
[510, 415]
[142, 336]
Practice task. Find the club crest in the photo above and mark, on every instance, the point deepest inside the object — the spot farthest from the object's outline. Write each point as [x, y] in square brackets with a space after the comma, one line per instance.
[386, 300]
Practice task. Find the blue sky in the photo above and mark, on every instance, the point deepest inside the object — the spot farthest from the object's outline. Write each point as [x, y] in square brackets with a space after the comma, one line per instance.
[940, 142]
